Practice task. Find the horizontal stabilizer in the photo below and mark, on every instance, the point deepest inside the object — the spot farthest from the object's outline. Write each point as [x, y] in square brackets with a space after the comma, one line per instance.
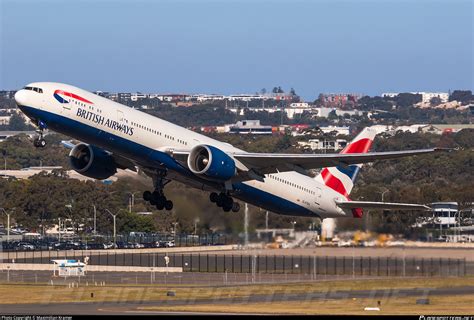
[380, 205]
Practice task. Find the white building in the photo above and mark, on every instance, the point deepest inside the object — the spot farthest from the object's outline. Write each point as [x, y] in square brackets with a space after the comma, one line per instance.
[5, 120]
[389, 94]
[292, 112]
[248, 127]
[425, 96]
[322, 144]
[445, 213]
[207, 97]
[299, 105]
[339, 130]
[324, 112]
[137, 96]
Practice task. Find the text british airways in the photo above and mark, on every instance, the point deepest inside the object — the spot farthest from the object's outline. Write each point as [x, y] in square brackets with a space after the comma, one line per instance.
[98, 119]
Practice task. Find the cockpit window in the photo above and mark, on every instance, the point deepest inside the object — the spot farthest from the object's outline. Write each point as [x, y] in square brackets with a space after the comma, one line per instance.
[39, 90]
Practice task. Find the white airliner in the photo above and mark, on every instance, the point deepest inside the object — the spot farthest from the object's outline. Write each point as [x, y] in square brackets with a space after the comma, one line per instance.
[117, 136]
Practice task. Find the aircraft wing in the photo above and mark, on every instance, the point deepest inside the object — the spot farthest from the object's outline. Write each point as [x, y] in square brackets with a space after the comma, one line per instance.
[380, 205]
[269, 162]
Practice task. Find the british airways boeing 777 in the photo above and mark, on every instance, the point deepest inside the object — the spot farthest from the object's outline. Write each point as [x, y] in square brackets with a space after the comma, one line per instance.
[116, 136]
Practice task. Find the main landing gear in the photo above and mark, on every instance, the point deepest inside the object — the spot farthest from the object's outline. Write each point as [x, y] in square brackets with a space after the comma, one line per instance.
[157, 198]
[39, 141]
[224, 201]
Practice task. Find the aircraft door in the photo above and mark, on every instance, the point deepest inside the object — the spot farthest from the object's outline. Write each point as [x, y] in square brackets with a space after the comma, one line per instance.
[120, 117]
[317, 195]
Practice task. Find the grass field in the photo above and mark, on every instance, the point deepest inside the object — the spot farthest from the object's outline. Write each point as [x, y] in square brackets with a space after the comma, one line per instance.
[21, 293]
[442, 305]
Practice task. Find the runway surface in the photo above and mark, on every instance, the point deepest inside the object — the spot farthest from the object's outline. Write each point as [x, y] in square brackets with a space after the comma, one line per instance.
[117, 308]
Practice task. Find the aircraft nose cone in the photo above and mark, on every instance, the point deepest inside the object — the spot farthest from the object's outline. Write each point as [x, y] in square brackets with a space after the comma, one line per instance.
[21, 97]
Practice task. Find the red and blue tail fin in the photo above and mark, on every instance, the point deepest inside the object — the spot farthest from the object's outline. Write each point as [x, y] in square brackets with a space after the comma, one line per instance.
[342, 178]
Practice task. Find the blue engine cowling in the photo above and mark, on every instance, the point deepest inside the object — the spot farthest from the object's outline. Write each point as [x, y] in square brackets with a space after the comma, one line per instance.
[92, 162]
[211, 163]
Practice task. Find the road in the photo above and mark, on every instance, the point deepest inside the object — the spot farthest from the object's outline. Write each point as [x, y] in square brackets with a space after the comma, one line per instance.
[121, 308]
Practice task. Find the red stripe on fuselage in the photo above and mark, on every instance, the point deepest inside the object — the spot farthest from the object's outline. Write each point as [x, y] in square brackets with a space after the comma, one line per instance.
[72, 95]
[359, 146]
[333, 182]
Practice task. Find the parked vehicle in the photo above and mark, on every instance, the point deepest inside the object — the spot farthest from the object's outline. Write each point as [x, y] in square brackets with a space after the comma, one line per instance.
[24, 246]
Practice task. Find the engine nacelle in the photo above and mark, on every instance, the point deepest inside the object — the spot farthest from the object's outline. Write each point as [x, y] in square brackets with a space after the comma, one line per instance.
[211, 163]
[92, 162]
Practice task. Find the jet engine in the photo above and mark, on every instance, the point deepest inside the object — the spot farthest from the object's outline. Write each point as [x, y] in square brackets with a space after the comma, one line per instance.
[92, 162]
[211, 163]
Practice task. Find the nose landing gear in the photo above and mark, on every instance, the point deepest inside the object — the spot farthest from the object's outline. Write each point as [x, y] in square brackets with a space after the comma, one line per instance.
[39, 141]
[224, 201]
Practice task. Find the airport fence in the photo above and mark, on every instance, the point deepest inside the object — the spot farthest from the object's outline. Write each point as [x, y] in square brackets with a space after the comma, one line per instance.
[88, 242]
[262, 264]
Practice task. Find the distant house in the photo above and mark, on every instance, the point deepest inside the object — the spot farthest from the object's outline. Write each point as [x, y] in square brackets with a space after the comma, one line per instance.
[445, 128]
[323, 144]
[249, 127]
[6, 134]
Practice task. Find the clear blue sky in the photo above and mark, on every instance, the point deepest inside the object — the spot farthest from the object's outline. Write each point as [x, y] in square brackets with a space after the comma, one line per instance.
[239, 46]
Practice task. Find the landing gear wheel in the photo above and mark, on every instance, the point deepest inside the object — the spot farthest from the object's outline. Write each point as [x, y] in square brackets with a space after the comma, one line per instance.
[168, 205]
[156, 195]
[226, 208]
[160, 206]
[160, 202]
[228, 202]
[235, 207]
[42, 143]
[147, 195]
[213, 197]
[222, 200]
[39, 143]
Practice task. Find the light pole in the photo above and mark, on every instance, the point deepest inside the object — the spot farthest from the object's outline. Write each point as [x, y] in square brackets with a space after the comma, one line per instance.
[59, 229]
[69, 206]
[4, 152]
[115, 226]
[196, 220]
[8, 221]
[95, 219]
[382, 193]
[266, 221]
[174, 230]
[131, 201]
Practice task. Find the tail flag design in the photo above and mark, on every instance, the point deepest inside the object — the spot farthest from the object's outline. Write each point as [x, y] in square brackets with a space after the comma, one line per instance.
[342, 178]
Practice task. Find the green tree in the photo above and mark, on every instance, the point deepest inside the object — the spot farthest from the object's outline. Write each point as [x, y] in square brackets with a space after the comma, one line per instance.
[407, 99]
[17, 123]
[463, 96]
[435, 101]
